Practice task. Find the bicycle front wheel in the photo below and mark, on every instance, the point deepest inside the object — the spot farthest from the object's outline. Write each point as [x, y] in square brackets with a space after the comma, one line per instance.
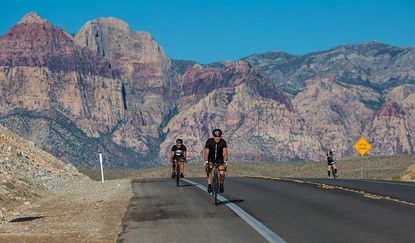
[216, 187]
[177, 175]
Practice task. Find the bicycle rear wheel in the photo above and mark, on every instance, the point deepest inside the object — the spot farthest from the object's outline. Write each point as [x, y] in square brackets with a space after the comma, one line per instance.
[215, 187]
[216, 199]
[177, 174]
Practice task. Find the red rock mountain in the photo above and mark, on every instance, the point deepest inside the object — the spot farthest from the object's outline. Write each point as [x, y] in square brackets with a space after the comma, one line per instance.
[63, 96]
[149, 83]
[34, 42]
[258, 119]
[115, 90]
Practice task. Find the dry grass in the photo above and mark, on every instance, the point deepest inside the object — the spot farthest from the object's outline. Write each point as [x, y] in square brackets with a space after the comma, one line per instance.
[385, 167]
[409, 174]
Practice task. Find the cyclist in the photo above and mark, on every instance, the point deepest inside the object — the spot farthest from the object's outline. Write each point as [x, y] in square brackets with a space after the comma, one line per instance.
[215, 152]
[178, 148]
[331, 163]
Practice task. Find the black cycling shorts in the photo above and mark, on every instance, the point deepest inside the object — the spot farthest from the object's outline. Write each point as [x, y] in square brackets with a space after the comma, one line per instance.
[219, 162]
[331, 162]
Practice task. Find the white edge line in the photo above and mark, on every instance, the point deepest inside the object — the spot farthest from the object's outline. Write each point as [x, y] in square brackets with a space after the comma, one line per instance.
[385, 182]
[263, 230]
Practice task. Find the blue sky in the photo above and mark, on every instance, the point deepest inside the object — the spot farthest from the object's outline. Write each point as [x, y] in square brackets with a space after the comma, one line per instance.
[212, 30]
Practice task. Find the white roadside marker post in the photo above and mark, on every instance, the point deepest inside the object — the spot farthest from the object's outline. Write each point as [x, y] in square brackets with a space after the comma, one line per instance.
[102, 169]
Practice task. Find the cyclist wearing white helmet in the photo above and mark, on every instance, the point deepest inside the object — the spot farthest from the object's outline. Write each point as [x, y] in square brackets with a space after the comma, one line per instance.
[331, 163]
[216, 152]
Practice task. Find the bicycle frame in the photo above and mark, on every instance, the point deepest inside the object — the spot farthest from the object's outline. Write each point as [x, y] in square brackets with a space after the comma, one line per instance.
[177, 173]
[215, 185]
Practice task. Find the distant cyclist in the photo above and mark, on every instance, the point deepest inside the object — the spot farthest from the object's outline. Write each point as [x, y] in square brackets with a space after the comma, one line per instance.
[215, 152]
[331, 162]
[178, 155]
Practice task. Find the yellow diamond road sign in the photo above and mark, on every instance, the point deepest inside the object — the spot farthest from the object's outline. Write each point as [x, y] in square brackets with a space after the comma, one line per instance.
[362, 146]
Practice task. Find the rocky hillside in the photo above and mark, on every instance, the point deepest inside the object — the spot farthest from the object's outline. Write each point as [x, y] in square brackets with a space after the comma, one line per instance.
[149, 84]
[26, 171]
[111, 89]
[74, 101]
[259, 120]
[349, 91]
[409, 174]
[372, 64]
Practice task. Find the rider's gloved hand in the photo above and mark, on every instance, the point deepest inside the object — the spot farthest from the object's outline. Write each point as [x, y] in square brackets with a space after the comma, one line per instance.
[225, 163]
[206, 163]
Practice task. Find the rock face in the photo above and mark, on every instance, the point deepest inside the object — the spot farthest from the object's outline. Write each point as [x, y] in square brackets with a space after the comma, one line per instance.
[66, 97]
[337, 113]
[257, 118]
[149, 83]
[350, 91]
[371, 64]
[392, 130]
[34, 42]
[114, 90]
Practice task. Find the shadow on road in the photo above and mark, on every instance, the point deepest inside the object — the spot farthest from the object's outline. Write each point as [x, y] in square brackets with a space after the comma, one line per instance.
[186, 185]
[24, 219]
[236, 201]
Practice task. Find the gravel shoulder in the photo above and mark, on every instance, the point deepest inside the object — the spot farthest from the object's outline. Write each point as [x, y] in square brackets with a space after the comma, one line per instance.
[77, 211]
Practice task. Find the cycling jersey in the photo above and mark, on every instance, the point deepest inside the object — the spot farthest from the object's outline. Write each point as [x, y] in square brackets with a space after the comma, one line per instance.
[215, 150]
[330, 158]
[181, 149]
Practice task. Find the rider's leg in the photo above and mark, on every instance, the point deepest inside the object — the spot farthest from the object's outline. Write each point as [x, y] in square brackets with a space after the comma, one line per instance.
[181, 166]
[328, 170]
[221, 169]
[334, 169]
[173, 169]
[210, 173]
[173, 166]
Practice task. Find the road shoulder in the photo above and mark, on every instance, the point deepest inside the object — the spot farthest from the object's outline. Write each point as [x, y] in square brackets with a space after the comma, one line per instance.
[83, 211]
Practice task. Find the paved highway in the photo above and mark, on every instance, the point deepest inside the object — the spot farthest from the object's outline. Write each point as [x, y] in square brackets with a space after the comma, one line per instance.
[297, 210]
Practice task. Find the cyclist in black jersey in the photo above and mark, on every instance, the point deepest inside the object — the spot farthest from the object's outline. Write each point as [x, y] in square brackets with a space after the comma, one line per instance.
[216, 152]
[178, 155]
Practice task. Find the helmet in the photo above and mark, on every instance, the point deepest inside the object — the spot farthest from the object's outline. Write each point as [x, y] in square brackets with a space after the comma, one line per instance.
[217, 132]
[179, 141]
[331, 150]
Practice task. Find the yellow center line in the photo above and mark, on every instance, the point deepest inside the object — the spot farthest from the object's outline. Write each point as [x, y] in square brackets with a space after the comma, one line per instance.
[334, 187]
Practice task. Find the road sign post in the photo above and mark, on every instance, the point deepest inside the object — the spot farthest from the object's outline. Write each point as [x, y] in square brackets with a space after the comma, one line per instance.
[102, 169]
[362, 146]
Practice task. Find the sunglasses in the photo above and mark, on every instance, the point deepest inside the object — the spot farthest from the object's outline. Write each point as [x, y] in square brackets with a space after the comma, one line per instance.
[216, 136]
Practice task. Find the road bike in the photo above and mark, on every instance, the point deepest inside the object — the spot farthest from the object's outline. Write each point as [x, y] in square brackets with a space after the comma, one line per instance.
[333, 172]
[215, 184]
[177, 169]
[177, 162]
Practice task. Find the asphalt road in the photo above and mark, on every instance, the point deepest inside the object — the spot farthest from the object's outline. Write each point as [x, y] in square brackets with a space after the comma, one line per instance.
[162, 212]
[297, 210]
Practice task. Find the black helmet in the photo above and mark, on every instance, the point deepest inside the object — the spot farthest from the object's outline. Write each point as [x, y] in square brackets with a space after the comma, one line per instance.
[179, 141]
[217, 132]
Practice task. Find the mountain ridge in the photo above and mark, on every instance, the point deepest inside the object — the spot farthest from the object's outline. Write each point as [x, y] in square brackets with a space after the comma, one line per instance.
[123, 95]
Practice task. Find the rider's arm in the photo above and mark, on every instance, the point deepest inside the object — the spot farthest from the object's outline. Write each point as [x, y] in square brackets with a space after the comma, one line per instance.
[184, 154]
[171, 155]
[206, 154]
[225, 154]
